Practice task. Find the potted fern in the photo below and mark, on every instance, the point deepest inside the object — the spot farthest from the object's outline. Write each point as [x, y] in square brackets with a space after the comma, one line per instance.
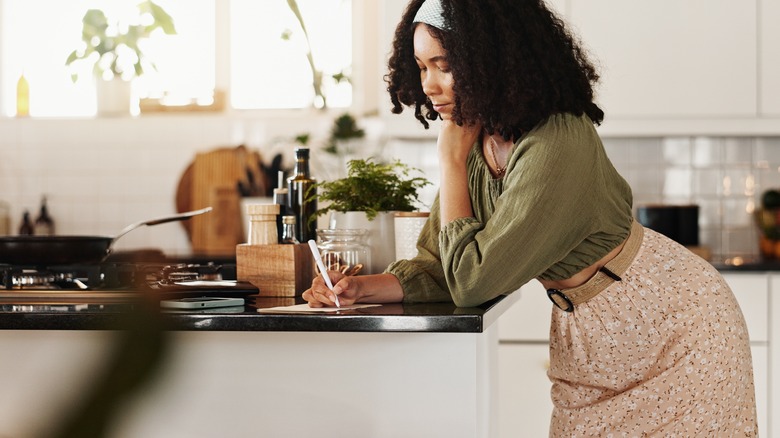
[367, 198]
[113, 48]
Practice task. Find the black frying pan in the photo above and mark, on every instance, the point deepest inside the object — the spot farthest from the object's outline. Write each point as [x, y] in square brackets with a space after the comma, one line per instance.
[67, 250]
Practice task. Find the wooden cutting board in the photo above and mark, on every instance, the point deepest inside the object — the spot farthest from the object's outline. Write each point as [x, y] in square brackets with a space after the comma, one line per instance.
[212, 180]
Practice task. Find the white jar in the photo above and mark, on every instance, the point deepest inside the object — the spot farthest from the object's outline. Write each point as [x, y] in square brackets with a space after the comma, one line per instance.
[407, 230]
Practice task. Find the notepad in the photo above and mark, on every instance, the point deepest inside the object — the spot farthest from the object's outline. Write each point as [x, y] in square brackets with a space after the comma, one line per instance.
[304, 308]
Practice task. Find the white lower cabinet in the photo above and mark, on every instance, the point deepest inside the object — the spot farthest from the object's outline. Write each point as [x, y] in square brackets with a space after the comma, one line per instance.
[752, 292]
[523, 358]
[524, 389]
[761, 380]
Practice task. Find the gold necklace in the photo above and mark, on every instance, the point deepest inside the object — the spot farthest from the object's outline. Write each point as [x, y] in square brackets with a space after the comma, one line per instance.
[493, 146]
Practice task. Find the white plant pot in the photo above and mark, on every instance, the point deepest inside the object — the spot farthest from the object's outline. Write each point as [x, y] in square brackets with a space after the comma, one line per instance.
[381, 235]
[114, 97]
[408, 226]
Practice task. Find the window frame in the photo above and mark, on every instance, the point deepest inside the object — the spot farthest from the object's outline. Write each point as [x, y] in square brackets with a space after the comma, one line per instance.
[367, 79]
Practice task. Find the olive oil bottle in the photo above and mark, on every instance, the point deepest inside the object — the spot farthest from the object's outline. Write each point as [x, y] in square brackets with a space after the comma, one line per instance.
[301, 200]
[22, 97]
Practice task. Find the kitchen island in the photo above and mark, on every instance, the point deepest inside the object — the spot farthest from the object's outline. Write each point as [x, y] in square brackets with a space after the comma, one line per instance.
[390, 371]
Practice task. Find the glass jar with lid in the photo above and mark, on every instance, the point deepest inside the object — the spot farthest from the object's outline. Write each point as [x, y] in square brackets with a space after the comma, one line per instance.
[344, 250]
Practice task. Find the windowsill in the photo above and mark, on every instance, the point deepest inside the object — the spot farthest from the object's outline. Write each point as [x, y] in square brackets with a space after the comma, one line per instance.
[271, 114]
[406, 127]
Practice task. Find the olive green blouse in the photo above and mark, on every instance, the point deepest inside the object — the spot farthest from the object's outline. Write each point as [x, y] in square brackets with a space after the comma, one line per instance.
[560, 207]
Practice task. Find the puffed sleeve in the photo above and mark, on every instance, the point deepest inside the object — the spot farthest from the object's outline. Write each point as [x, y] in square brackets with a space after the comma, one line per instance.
[422, 277]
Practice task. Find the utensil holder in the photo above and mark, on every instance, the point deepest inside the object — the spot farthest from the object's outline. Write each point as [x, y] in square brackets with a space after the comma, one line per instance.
[276, 270]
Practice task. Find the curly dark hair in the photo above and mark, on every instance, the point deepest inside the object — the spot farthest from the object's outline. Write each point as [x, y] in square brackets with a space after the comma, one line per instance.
[513, 62]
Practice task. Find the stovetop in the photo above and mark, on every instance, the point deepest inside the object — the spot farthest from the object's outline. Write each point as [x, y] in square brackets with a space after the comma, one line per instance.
[120, 280]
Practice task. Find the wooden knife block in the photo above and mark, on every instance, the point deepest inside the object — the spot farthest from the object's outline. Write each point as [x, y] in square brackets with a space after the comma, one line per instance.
[276, 270]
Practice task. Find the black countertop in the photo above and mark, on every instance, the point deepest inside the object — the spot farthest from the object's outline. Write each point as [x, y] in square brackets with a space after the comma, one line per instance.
[739, 264]
[88, 314]
[101, 314]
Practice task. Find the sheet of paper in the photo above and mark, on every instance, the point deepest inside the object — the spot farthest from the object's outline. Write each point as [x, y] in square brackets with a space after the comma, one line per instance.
[304, 308]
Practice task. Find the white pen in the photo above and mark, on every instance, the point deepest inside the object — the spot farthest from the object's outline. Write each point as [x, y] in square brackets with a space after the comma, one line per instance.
[317, 258]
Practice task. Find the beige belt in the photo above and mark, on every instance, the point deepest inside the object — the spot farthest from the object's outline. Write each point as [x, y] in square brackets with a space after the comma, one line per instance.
[605, 276]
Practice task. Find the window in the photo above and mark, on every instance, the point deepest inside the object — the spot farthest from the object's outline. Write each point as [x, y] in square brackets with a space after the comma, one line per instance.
[30, 47]
[185, 62]
[264, 71]
[271, 72]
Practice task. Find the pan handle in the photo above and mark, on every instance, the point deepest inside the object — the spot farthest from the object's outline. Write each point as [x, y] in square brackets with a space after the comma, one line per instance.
[177, 217]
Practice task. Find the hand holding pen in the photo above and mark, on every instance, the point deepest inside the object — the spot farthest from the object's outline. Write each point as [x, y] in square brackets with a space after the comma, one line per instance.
[318, 259]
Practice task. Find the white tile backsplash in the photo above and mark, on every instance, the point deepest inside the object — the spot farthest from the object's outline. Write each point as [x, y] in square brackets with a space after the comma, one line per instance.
[100, 175]
[738, 151]
[678, 183]
[707, 152]
[677, 151]
[768, 150]
[725, 176]
[645, 151]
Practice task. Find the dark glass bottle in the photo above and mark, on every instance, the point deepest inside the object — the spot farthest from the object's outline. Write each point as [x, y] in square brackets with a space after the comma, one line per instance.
[26, 228]
[302, 201]
[44, 224]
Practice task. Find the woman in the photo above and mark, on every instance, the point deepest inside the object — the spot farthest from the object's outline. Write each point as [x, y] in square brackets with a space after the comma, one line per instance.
[646, 338]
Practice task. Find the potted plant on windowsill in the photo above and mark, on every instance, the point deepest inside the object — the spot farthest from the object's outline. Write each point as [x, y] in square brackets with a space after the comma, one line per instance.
[113, 49]
[367, 198]
[343, 145]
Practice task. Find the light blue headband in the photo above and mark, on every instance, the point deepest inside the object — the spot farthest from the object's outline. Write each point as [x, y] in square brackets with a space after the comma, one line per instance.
[431, 13]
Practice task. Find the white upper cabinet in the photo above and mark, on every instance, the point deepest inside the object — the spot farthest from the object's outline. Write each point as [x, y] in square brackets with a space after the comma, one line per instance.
[671, 67]
[769, 73]
[671, 58]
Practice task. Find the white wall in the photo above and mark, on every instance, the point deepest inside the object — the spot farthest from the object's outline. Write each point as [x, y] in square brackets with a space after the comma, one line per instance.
[100, 175]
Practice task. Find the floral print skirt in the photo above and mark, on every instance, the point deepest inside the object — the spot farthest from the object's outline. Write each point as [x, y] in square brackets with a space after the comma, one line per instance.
[663, 352]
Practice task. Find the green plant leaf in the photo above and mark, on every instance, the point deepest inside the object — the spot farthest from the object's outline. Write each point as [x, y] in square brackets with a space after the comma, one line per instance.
[161, 18]
[345, 127]
[93, 34]
[303, 139]
[372, 187]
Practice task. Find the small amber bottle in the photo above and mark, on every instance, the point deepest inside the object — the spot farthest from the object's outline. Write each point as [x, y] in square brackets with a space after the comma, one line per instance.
[288, 230]
[26, 228]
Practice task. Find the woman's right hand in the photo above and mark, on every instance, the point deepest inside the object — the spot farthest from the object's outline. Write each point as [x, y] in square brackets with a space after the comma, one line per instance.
[455, 142]
[454, 145]
[344, 286]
